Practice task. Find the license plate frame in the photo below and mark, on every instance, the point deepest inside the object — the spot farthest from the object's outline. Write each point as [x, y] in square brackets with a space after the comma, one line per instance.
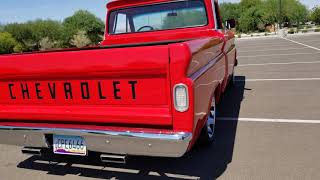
[69, 145]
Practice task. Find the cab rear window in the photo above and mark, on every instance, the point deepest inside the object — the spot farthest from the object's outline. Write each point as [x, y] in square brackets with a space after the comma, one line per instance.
[157, 17]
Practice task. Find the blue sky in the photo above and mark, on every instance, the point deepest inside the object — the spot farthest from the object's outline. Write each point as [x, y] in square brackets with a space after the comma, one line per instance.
[21, 11]
[24, 10]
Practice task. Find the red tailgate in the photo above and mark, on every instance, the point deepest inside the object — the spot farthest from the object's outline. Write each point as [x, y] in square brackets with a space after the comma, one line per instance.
[118, 85]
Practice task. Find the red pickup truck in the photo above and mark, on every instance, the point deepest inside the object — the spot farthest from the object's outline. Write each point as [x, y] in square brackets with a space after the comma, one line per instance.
[149, 89]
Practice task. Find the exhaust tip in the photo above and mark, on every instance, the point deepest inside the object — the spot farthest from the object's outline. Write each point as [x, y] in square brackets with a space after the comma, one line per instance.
[32, 151]
[112, 158]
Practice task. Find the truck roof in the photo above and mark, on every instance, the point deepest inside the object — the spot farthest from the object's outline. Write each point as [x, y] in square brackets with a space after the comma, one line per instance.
[126, 3]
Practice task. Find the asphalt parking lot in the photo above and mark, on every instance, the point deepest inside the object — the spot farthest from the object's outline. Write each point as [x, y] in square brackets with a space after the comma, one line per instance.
[268, 127]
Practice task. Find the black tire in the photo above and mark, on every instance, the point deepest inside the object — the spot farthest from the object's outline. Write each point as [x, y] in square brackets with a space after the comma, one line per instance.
[207, 135]
[232, 82]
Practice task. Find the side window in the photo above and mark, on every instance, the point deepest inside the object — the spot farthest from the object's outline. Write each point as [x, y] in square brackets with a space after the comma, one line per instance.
[121, 24]
[217, 15]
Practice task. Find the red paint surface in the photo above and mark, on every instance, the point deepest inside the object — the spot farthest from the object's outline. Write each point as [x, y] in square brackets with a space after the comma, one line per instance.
[148, 66]
[155, 68]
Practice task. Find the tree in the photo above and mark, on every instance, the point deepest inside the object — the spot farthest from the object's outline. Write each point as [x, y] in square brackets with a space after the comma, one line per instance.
[30, 34]
[230, 11]
[248, 13]
[48, 34]
[7, 43]
[294, 12]
[315, 15]
[42, 29]
[22, 33]
[80, 39]
[271, 11]
[255, 15]
[246, 4]
[251, 18]
[83, 21]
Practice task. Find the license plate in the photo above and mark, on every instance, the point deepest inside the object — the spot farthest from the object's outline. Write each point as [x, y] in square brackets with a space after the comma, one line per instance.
[69, 145]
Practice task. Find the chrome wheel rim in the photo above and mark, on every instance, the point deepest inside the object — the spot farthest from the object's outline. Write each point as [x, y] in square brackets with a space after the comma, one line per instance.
[211, 122]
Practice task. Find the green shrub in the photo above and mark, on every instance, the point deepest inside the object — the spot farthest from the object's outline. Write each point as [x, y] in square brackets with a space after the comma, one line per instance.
[317, 30]
[304, 31]
[306, 26]
[19, 48]
[239, 35]
[7, 43]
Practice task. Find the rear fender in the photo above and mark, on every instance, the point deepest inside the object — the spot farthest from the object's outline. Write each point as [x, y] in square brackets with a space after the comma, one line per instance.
[180, 58]
[216, 93]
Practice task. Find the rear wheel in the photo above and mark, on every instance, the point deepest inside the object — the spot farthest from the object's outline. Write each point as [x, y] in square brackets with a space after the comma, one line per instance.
[208, 132]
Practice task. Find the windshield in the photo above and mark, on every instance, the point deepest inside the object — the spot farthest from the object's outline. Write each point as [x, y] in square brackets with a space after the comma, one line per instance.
[164, 16]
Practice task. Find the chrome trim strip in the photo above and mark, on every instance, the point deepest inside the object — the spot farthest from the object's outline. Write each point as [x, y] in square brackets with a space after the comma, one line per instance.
[205, 68]
[214, 14]
[174, 136]
[148, 43]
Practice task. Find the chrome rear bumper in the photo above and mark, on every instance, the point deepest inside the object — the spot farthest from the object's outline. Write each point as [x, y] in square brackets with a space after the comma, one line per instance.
[128, 143]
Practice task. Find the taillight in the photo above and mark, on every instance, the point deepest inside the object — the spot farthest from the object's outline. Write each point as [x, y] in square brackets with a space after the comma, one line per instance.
[181, 97]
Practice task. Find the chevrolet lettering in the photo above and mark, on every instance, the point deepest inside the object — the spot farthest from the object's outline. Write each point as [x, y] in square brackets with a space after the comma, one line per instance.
[48, 90]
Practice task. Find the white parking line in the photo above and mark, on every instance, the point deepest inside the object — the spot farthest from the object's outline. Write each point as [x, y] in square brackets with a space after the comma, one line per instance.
[267, 55]
[291, 79]
[249, 47]
[283, 43]
[302, 44]
[279, 49]
[261, 38]
[304, 121]
[288, 63]
[310, 40]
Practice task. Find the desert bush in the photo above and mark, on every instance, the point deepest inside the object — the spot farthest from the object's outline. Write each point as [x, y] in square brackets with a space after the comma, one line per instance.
[291, 31]
[46, 44]
[81, 39]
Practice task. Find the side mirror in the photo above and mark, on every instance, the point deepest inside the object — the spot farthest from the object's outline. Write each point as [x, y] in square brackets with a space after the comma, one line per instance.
[231, 23]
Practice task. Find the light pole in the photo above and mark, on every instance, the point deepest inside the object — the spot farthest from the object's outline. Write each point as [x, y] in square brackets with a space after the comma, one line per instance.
[280, 14]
